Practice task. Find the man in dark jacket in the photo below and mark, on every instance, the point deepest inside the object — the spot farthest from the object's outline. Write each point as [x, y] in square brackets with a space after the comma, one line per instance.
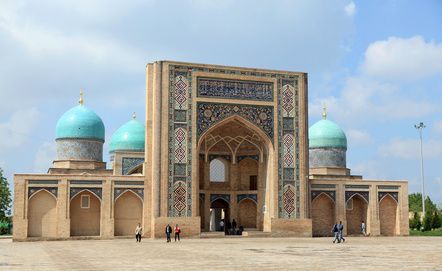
[341, 231]
[335, 232]
[168, 233]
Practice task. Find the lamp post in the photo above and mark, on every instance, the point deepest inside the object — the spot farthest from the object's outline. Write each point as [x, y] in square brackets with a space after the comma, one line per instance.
[420, 127]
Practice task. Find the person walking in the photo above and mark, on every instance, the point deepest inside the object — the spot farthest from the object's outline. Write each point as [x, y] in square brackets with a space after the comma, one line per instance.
[138, 232]
[335, 232]
[177, 232]
[363, 228]
[168, 233]
[221, 225]
[341, 231]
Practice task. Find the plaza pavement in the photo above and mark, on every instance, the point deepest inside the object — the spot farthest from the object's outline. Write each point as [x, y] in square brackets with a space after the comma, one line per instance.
[357, 253]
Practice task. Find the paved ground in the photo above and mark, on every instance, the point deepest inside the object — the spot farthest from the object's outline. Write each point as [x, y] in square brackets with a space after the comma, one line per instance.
[358, 253]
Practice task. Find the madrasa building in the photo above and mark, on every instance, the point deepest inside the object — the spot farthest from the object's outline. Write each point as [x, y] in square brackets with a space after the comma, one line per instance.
[218, 143]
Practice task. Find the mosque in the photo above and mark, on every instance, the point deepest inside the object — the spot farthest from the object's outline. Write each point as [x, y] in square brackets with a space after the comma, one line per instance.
[218, 143]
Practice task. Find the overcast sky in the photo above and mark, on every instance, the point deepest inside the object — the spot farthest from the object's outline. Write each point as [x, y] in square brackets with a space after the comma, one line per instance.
[376, 64]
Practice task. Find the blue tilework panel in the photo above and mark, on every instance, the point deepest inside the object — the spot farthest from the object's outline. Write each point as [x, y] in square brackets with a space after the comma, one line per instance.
[210, 114]
[130, 163]
[79, 149]
[235, 89]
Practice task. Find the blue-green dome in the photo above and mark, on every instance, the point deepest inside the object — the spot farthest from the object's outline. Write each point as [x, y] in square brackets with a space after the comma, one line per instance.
[80, 122]
[326, 134]
[129, 137]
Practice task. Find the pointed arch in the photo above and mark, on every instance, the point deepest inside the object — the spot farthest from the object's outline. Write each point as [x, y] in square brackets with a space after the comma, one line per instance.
[129, 190]
[385, 196]
[42, 214]
[268, 141]
[40, 190]
[128, 212]
[327, 195]
[359, 195]
[247, 213]
[85, 221]
[83, 190]
[323, 214]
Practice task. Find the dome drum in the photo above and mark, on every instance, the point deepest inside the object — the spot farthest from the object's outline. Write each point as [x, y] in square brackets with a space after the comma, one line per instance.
[327, 157]
[79, 149]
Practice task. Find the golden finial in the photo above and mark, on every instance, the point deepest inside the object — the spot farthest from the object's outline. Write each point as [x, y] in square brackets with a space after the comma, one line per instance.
[81, 101]
[324, 111]
[134, 115]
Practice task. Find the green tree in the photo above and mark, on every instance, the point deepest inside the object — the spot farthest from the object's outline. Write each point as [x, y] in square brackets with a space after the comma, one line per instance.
[415, 222]
[435, 220]
[5, 197]
[415, 202]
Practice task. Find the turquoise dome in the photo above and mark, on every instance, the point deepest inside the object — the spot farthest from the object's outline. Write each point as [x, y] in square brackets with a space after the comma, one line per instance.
[326, 134]
[129, 137]
[80, 122]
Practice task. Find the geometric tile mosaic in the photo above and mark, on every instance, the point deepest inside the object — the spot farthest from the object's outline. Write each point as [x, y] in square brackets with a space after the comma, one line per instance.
[211, 113]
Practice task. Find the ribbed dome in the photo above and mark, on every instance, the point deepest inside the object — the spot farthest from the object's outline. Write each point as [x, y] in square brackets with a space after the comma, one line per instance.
[129, 137]
[80, 122]
[326, 134]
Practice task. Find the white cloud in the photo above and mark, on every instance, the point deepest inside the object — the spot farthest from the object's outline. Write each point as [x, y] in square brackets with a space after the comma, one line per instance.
[406, 148]
[437, 126]
[364, 98]
[17, 130]
[43, 40]
[358, 137]
[403, 59]
[44, 157]
[350, 9]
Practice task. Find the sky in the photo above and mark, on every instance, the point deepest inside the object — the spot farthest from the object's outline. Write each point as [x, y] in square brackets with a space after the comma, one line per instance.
[377, 65]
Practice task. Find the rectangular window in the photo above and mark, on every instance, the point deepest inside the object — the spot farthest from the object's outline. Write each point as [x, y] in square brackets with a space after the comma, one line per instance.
[253, 182]
[85, 201]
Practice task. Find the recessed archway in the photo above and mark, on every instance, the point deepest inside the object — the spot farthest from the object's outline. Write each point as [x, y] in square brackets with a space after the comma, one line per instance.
[247, 213]
[219, 210]
[42, 215]
[128, 213]
[387, 215]
[323, 215]
[356, 212]
[85, 214]
[247, 154]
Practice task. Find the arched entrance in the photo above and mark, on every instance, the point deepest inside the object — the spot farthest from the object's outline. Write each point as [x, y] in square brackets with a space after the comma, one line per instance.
[42, 215]
[85, 213]
[219, 210]
[323, 215]
[387, 215]
[128, 213]
[357, 208]
[247, 213]
[236, 161]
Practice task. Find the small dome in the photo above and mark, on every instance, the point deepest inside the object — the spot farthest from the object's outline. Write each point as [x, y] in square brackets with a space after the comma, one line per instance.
[80, 122]
[129, 137]
[326, 134]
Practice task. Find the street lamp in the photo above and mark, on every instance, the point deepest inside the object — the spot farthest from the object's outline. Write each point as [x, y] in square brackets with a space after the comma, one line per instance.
[420, 127]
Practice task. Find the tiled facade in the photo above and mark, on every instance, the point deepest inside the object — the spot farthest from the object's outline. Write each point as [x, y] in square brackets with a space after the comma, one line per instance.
[253, 120]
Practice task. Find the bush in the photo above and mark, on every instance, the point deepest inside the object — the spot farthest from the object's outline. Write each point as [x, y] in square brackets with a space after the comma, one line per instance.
[4, 228]
[415, 222]
[436, 221]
